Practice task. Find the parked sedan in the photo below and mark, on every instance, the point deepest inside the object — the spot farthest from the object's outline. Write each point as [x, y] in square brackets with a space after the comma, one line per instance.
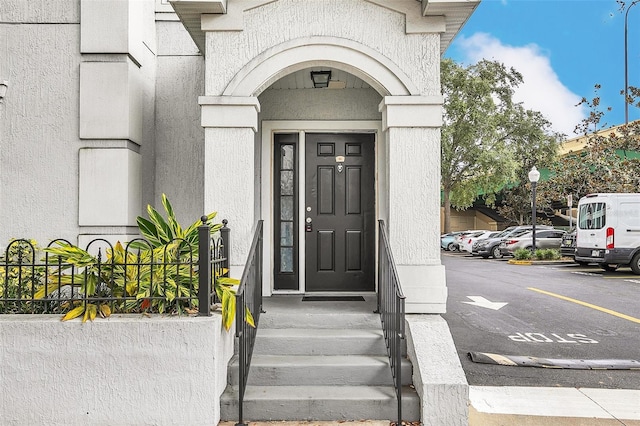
[545, 239]
[469, 239]
[461, 238]
[491, 246]
[447, 241]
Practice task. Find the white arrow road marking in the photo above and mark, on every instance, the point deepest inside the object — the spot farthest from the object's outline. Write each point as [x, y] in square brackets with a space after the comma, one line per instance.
[484, 303]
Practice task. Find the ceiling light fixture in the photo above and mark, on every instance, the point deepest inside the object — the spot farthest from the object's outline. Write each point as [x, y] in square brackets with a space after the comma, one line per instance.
[320, 78]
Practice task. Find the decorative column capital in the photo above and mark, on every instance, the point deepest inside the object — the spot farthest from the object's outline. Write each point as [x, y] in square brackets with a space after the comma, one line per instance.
[229, 111]
[411, 111]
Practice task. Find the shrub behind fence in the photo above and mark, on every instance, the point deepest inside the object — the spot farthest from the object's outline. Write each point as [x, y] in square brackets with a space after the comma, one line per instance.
[103, 279]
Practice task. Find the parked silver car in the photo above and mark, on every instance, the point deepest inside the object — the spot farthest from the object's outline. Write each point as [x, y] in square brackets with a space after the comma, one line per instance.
[491, 246]
[545, 239]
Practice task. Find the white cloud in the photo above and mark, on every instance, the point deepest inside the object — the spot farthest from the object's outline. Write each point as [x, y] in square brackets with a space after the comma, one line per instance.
[541, 91]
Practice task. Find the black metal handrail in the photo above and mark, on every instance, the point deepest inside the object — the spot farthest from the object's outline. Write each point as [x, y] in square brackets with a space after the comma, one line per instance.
[248, 296]
[391, 309]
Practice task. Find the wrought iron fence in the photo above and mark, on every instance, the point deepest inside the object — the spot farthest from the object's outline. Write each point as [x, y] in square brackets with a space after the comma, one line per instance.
[391, 309]
[249, 294]
[102, 278]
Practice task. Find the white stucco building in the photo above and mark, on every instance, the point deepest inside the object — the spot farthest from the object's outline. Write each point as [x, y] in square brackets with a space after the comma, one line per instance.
[110, 103]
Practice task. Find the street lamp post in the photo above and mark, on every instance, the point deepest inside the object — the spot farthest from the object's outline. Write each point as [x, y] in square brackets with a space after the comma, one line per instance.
[534, 176]
[626, 66]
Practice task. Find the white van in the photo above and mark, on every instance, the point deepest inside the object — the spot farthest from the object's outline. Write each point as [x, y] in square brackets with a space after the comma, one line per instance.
[608, 230]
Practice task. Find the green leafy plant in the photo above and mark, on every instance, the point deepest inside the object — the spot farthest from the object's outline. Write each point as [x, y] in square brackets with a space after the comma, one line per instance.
[157, 274]
[522, 254]
[19, 277]
[547, 254]
[162, 234]
[94, 280]
[139, 281]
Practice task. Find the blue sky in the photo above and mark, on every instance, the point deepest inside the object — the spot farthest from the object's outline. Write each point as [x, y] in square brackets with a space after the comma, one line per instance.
[563, 48]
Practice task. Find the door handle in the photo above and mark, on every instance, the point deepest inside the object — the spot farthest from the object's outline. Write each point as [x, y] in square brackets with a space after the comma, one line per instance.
[308, 227]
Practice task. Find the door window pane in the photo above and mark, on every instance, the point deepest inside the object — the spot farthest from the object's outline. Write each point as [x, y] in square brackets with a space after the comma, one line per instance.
[286, 208]
[286, 182]
[286, 233]
[286, 259]
[287, 157]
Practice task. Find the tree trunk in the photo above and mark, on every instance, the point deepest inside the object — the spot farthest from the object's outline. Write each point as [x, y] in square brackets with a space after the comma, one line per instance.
[447, 211]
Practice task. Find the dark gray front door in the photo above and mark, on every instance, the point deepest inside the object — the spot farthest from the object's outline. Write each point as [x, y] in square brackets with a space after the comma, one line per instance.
[339, 209]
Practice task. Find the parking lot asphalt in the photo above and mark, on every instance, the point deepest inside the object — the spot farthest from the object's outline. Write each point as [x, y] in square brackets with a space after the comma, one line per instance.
[501, 395]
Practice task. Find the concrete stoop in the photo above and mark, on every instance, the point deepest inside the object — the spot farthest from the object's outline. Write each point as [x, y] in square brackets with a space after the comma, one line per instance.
[545, 406]
[315, 366]
[477, 418]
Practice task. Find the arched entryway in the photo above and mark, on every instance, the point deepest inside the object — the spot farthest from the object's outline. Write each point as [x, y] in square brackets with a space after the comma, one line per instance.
[404, 134]
[319, 188]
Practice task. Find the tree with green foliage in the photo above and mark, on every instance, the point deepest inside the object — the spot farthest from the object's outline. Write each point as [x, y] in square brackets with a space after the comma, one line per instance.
[609, 162]
[488, 140]
[537, 145]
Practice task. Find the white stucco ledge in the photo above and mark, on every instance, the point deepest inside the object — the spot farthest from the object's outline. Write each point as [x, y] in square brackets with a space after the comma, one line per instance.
[126, 369]
[437, 373]
[425, 288]
[411, 111]
[230, 111]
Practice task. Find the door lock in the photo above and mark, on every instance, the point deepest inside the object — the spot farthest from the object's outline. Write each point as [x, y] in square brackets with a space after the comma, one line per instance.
[308, 227]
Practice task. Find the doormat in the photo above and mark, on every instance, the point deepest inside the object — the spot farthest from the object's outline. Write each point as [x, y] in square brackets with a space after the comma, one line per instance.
[333, 299]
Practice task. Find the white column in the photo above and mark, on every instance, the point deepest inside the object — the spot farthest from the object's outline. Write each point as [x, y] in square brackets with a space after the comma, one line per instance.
[229, 168]
[412, 132]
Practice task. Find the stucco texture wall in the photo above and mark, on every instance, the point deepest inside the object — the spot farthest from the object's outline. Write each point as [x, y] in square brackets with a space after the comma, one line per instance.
[373, 26]
[125, 370]
[39, 114]
[179, 148]
[312, 104]
[415, 150]
[40, 58]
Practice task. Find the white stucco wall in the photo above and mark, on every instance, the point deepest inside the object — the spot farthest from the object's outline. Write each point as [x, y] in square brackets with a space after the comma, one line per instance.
[437, 373]
[39, 134]
[414, 163]
[381, 29]
[123, 370]
[179, 143]
[40, 58]
[311, 104]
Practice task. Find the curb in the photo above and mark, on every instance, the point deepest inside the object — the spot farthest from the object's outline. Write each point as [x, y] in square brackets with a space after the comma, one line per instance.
[540, 262]
[572, 364]
[520, 262]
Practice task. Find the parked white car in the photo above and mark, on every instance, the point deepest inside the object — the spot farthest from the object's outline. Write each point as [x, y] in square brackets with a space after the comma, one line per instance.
[467, 242]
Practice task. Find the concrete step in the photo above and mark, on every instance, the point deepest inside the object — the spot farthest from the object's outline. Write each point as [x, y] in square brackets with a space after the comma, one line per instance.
[319, 361]
[303, 341]
[278, 403]
[339, 370]
[311, 319]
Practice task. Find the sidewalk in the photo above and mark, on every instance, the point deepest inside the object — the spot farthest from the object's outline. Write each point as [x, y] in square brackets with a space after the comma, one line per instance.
[529, 406]
[505, 405]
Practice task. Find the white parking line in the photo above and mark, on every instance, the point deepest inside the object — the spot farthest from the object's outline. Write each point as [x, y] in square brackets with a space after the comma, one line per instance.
[589, 274]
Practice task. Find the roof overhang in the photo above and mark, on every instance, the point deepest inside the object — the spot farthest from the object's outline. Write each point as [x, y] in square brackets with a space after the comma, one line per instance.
[190, 11]
[455, 12]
